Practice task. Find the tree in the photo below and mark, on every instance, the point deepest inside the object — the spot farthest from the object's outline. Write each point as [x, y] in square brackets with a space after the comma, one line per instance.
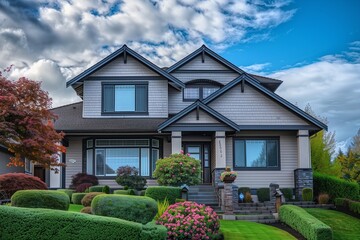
[355, 144]
[350, 166]
[26, 123]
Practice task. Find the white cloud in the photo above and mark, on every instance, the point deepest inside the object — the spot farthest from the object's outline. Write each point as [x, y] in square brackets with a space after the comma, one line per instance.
[255, 68]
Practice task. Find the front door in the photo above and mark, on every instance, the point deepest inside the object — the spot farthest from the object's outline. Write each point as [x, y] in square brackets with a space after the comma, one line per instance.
[201, 152]
[39, 172]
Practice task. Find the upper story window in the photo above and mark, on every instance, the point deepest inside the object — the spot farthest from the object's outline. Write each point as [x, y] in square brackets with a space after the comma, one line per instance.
[199, 90]
[259, 153]
[125, 98]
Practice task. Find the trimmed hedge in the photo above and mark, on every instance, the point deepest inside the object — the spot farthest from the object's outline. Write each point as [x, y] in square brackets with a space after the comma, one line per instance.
[263, 194]
[348, 204]
[244, 190]
[77, 197]
[97, 188]
[69, 192]
[288, 193]
[131, 208]
[159, 193]
[307, 194]
[303, 222]
[86, 210]
[43, 224]
[41, 199]
[336, 188]
[125, 192]
[87, 199]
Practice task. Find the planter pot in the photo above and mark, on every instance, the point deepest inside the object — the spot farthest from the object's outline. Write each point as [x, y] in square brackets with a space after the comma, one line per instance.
[229, 179]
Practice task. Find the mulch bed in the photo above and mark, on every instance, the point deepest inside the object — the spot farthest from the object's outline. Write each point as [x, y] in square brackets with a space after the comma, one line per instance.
[288, 229]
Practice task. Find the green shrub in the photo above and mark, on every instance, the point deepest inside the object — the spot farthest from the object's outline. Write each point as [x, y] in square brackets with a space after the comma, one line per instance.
[77, 197]
[348, 204]
[177, 169]
[343, 202]
[97, 188]
[69, 192]
[86, 210]
[123, 192]
[43, 224]
[303, 222]
[307, 194]
[288, 193]
[131, 208]
[263, 194]
[41, 199]
[162, 207]
[244, 190]
[142, 193]
[87, 199]
[106, 189]
[159, 193]
[129, 177]
[336, 188]
[354, 207]
[180, 200]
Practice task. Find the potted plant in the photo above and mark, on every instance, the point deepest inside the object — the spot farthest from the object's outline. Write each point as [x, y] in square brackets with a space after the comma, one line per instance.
[228, 176]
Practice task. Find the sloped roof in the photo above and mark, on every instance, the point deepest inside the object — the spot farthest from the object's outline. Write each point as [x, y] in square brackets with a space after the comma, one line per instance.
[71, 121]
[125, 50]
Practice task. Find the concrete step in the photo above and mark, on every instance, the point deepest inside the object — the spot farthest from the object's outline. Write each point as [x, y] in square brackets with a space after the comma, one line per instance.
[255, 218]
[201, 193]
[256, 208]
[202, 197]
[246, 212]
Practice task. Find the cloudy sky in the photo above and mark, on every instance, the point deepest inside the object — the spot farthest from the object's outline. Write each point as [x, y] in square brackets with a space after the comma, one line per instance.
[313, 46]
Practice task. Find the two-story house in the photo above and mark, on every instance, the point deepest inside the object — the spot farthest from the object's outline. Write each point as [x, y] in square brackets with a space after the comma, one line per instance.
[134, 113]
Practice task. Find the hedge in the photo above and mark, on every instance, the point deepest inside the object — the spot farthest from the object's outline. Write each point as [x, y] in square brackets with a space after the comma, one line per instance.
[348, 204]
[77, 197]
[303, 222]
[307, 194]
[288, 193]
[41, 199]
[263, 194]
[69, 192]
[125, 192]
[244, 190]
[159, 193]
[96, 188]
[132, 208]
[336, 188]
[43, 224]
[87, 199]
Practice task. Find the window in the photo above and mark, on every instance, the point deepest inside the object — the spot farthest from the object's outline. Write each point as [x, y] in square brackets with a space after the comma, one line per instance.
[125, 98]
[105, 156]
[257, 153]
[195, 92]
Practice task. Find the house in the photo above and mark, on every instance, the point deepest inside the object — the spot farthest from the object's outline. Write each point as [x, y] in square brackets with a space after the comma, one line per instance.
[133, 112]
[5, 155]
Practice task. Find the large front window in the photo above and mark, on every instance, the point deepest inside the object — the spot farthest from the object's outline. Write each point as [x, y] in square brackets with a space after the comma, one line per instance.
[105, 156]
[125, 98]
[257, 154]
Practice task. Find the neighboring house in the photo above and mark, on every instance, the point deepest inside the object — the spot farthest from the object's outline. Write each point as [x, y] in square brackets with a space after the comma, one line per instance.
[134, 112]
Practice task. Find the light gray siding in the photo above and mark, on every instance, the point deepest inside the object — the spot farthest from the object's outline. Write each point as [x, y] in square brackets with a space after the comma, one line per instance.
[176, 103]
[166, 148]
[223, 77]
[118, 68]
[209, 64]
[157, 103]
[259, 179]
[253, 108]
[192, 118]
[73, 153]
[4, 160]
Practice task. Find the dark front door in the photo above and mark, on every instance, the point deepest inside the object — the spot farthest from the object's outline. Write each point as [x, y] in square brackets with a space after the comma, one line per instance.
[201, 152]
[39, 172]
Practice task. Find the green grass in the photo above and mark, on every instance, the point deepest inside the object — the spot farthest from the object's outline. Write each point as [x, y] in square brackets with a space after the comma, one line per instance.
[251, 231]
[344, 227]
[75, 207]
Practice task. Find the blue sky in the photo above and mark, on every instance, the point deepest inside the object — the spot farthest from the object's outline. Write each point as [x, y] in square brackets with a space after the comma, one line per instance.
[313, 46]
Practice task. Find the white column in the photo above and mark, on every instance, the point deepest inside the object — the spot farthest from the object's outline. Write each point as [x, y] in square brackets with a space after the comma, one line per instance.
[175, 142]
[220, 155]
[304, 160]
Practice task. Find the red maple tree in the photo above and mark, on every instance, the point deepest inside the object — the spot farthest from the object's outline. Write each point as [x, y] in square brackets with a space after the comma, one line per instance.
[26, 123]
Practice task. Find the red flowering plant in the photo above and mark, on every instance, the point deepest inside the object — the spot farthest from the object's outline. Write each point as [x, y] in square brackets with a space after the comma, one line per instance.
[228, 175]
[190, 220]
[178, 169]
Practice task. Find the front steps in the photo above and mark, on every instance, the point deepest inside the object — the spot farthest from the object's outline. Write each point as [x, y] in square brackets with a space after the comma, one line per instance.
[203, 194]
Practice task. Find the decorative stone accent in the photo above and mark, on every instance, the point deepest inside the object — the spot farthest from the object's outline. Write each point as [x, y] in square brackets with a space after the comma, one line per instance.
[273, 187]
[235, 197]
[228, 199]
[216, 176]
[303, 179]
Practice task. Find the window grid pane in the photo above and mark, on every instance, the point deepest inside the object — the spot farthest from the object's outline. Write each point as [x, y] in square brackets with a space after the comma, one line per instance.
[145, 162]
[155, 157]
[100, 162]
[118, 157]
[89, 161]
[207, 91]
[191, 93]
[125, 98]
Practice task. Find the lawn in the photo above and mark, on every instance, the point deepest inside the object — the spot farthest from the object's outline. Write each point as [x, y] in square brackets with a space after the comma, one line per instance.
[344, 227]
[251, 231]
[75, 208]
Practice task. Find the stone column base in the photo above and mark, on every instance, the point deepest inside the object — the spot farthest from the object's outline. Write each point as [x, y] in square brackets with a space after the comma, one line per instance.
[303, 178]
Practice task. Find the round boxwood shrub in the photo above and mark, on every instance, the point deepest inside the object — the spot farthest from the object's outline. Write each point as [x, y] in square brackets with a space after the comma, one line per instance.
[132, 208]
[159, 193]
[189, 220]
[86, 210]
[106, 189]
[288, 193]
[177, 169]
[125, 192]
[12, 182]
[307, 194]
[263, 194]
[87, 199]
[97, 188]
[41, 199]
[69, 192]
[129, 177]
[77, 197]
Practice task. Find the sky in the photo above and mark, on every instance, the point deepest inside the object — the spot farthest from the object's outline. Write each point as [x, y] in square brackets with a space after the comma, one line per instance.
[313, 46]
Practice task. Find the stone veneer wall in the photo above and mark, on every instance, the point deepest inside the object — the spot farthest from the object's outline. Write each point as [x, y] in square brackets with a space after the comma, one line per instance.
[303, 179]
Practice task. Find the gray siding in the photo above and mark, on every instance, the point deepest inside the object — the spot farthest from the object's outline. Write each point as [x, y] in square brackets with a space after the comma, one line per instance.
[74, 151]
[253, 108]
[117, 68]
[223, 78]
[258, 179]
[209, 64]
[176, 103]
[157, 104]
[4, 160]
[166, 147]
[203, 118]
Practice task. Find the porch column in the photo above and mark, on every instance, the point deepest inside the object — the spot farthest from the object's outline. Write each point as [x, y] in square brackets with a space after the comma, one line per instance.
[220, 155]
[175, 142]
[303, 174]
